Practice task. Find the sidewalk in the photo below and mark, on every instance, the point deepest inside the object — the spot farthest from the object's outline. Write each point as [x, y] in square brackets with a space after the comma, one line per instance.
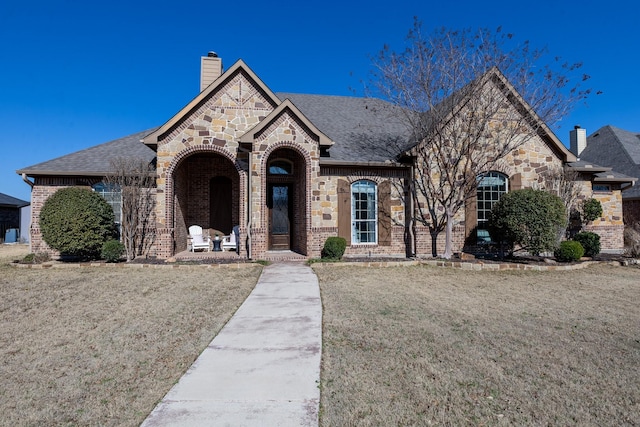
[263, 368]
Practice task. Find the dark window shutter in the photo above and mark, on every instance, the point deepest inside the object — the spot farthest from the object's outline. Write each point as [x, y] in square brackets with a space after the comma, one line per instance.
[344, 210]
[384, 214]
[515, 182]
[470, 215]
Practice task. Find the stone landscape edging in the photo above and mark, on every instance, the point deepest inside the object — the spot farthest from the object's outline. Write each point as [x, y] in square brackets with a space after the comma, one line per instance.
[133, 265]
[463, 265]
[476, 266]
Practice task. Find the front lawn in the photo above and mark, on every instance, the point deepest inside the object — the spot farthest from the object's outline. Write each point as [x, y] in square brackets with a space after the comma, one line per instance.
[101, 346]
[436, 346]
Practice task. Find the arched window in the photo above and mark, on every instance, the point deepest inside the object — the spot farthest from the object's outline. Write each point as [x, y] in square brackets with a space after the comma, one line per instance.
[280, 167]
[491, 187]
[364, 212]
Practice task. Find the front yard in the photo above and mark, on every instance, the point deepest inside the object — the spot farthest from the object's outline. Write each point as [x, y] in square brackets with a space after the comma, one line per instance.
[413, 345]
[437, 346]
[101, 346]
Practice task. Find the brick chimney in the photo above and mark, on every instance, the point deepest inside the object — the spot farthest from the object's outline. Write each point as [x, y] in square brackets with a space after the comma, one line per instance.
[210, 69]
[577, 140]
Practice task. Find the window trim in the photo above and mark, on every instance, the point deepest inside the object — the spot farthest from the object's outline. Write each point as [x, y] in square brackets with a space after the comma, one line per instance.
[281, 161]
[356, 235]
[606, 188]
[109, 192]
[491, 201]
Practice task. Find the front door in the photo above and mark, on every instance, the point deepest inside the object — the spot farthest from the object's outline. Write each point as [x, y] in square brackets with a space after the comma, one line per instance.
[279, 204]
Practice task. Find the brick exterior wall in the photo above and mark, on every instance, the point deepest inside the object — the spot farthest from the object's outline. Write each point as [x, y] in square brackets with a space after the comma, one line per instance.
[42, 189]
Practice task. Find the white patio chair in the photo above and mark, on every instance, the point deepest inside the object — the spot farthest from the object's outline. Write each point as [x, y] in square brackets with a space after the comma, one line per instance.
[197, 239]
[229, 242]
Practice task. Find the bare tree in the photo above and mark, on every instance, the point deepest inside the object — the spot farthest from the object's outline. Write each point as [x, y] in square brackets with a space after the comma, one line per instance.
[468, 98]
[565, 183]
[135, 178]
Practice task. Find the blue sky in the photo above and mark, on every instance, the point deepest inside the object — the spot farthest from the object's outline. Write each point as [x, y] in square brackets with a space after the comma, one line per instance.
[74, 74]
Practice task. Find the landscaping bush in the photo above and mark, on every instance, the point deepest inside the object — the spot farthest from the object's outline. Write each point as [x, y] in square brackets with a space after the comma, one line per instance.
[529, 218]
[76, 222]
[569, 251]
[590, 242]
[591, 210]
[334, 248]
[36, 258]
[632, 240]
[112, 250]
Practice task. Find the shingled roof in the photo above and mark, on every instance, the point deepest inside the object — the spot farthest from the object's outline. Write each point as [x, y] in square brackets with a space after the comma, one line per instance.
[7, 201]
[94, 161]
[616, 148]
[364, 130]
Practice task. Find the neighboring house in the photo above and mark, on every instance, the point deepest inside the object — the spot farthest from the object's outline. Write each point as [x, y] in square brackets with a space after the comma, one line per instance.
[292, 170]
[620, 149]
[10, 217]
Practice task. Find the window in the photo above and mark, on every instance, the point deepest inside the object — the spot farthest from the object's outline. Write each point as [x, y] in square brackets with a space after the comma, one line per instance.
[111, 193]
[491, 186]
[280, 167]
[601, 188]
[364, 218]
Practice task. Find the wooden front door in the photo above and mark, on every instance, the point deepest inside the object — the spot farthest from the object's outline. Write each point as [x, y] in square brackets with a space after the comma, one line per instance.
[279, 205]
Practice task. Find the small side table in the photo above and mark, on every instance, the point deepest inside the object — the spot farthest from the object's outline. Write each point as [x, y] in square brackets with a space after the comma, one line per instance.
[216, 245]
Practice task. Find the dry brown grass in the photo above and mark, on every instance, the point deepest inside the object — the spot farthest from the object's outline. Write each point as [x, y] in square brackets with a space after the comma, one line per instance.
[434, 346]
[101, 346]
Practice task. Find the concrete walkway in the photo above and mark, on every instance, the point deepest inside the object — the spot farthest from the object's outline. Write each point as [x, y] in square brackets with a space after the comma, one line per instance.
[263, 368]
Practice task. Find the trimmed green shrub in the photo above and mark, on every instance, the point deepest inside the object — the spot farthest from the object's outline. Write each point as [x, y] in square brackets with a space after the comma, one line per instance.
[36, 258]
[590, 242]
[569, 251]
[76, 222]
[112, 250]
[334, 248]
[591, 210]
[529, 218]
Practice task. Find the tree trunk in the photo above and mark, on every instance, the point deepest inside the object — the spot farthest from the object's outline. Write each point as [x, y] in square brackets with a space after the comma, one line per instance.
[434, 241]
[448, 239]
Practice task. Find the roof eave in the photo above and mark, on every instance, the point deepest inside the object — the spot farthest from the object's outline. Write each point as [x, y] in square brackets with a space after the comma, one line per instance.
[346, 163]
[36, 173]
[615, 180]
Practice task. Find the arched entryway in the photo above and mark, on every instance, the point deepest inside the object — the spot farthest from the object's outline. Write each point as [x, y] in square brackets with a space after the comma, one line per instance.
[206, 192]
[286, 201]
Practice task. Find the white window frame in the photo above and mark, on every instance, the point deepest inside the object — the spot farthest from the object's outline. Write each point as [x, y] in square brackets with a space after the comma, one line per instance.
[113, 195]
[487, 188]
[364, 229]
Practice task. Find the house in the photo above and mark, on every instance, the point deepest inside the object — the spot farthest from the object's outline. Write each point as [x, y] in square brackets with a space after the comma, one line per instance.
[12, 223]
[291, 170]
[620, 149]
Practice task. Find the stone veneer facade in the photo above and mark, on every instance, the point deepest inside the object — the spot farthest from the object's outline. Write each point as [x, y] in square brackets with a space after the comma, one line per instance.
[235, 129]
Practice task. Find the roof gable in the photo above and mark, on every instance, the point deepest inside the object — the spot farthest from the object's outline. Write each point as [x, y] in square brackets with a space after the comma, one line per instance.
[615, 148]
[286, 106]
[198, 102]
[543, 129]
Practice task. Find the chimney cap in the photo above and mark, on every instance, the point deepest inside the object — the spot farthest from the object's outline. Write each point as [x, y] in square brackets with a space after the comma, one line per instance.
[212, 54]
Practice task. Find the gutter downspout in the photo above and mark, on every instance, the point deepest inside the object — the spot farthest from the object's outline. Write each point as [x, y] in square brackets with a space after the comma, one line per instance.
[412, 221]
[25, 179]
[249, 172]
[249, 206]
